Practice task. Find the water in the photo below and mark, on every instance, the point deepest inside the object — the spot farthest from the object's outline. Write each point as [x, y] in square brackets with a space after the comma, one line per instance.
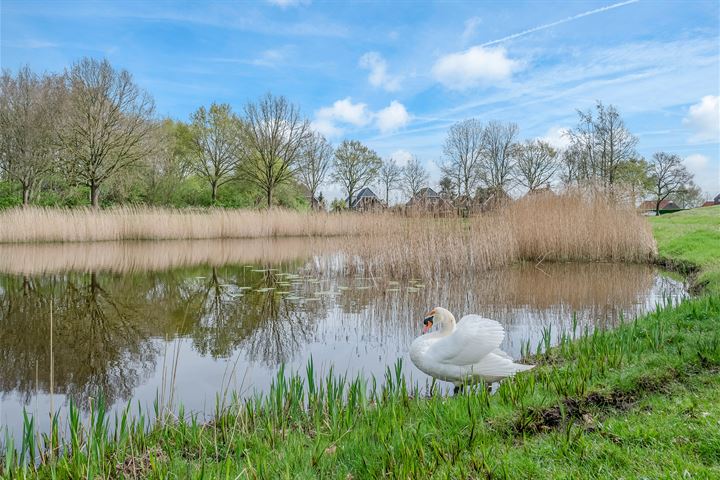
[186, 321]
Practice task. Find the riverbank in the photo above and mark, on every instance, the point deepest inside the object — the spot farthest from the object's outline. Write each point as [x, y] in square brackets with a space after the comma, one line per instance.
[689, 242]
[635, 401]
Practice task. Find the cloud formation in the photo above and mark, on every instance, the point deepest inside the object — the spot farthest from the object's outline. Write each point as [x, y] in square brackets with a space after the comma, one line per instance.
[557, 137]
[392, 117]
[330, 121]
[704, 118]
[379, 76]
[474, 67]
[707, 173]
[401, 157]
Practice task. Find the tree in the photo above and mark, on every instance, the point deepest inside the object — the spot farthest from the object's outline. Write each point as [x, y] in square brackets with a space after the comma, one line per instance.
[600, 144]
[218, 147]
[668, 175]
[355, 166]
[389, 177]
[537, 163]
[463, 150]
[29, 106]
[314, 163]
[498, 155]
[274, 134]
[447, 188]
[107, 123]
[690, 196]
[632, 177]
[415, 177]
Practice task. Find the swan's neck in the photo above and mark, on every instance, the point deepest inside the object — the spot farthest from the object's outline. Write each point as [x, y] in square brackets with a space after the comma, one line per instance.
[447, 325]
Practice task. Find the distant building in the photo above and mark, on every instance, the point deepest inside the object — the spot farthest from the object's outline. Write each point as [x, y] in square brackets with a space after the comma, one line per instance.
[366, 200]
[717, 199]
[709, 203]
[666, 206]
[429, 200]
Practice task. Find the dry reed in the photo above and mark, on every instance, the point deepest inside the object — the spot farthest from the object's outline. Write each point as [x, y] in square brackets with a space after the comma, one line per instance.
[543, 227]
[131, 223]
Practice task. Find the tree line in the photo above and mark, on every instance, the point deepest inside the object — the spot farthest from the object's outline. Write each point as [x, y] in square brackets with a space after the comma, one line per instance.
[92, 131]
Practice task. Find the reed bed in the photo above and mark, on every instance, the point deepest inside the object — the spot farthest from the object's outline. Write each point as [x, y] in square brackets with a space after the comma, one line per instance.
[575, 226]
[543, 227]
[144, 223]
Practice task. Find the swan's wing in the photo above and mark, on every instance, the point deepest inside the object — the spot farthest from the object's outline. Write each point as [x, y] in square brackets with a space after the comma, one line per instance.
[473, 338]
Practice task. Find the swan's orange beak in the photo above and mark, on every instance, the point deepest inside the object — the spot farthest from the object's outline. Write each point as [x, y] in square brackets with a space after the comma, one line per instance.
[428, 321]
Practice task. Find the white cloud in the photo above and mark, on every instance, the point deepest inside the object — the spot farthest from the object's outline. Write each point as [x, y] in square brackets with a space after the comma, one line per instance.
[704, 118]
[557, 137]
[379, 76]
[344, 111]
[326, 127]
[288, 3]
[401, 157]
[471, 25]
[707, 172]
[347, 112]
[392, 117]
[474, 67]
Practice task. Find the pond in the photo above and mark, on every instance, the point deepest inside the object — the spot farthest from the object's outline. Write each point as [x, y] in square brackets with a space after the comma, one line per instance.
[187, 321]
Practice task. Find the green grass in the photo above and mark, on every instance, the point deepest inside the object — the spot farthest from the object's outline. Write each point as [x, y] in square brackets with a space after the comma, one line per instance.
[639, 401]
[691, 241]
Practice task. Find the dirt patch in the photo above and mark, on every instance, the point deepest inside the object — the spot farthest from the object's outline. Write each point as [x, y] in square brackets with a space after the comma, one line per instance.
[137, 466]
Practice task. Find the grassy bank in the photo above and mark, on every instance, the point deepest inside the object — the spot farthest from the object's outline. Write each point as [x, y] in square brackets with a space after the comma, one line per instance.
[639, 400]
[689, 241]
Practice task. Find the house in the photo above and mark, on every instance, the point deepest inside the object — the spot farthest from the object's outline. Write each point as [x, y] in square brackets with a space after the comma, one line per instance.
[709, 203]
[666, 206]
[429, 200]
[366, 200]
[717, 199]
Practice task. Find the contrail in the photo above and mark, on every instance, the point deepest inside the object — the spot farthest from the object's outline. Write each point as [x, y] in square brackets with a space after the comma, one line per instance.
[559, 22]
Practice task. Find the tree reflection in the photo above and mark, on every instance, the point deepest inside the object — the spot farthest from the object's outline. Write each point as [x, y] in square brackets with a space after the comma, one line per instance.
[100, 344]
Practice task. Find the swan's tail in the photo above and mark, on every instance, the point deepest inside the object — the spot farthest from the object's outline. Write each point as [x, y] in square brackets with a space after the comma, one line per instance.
[498, 365]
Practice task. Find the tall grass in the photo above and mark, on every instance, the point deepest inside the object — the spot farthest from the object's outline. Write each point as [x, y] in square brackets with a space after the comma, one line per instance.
[144, 223]
[569, 227]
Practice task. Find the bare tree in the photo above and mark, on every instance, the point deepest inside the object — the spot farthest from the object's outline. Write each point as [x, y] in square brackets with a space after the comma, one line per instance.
[690, 196]
[668, 175]
[389, 177]
[498, 155]
[415, 177]
[355, 166]
[275, 135]
[106, 125]
[314, 163]
[28, 114]
[463, 150]
[537, 163]
[218, 147]
[600, 144]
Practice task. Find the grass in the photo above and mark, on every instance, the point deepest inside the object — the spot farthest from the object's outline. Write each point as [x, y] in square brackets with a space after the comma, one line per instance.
[690, 241]
[636, 401]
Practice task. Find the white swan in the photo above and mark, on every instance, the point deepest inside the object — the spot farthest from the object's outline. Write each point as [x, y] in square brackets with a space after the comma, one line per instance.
[463, 353]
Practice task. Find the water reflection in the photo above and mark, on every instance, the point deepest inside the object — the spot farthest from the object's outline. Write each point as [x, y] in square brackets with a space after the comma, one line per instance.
[111, 331]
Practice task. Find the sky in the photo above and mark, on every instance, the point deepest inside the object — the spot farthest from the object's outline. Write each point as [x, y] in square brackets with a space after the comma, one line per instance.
[396, 75]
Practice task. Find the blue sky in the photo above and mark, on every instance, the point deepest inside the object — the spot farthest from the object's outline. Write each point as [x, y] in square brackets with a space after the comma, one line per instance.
[396, 75]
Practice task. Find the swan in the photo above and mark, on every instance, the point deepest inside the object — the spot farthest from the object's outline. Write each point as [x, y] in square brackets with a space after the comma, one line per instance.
[464, 353]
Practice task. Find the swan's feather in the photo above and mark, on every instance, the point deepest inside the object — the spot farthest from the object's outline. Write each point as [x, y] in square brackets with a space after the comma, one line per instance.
[474, 337]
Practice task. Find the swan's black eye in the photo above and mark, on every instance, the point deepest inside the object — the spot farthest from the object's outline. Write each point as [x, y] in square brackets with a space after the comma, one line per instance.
[427, 320]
